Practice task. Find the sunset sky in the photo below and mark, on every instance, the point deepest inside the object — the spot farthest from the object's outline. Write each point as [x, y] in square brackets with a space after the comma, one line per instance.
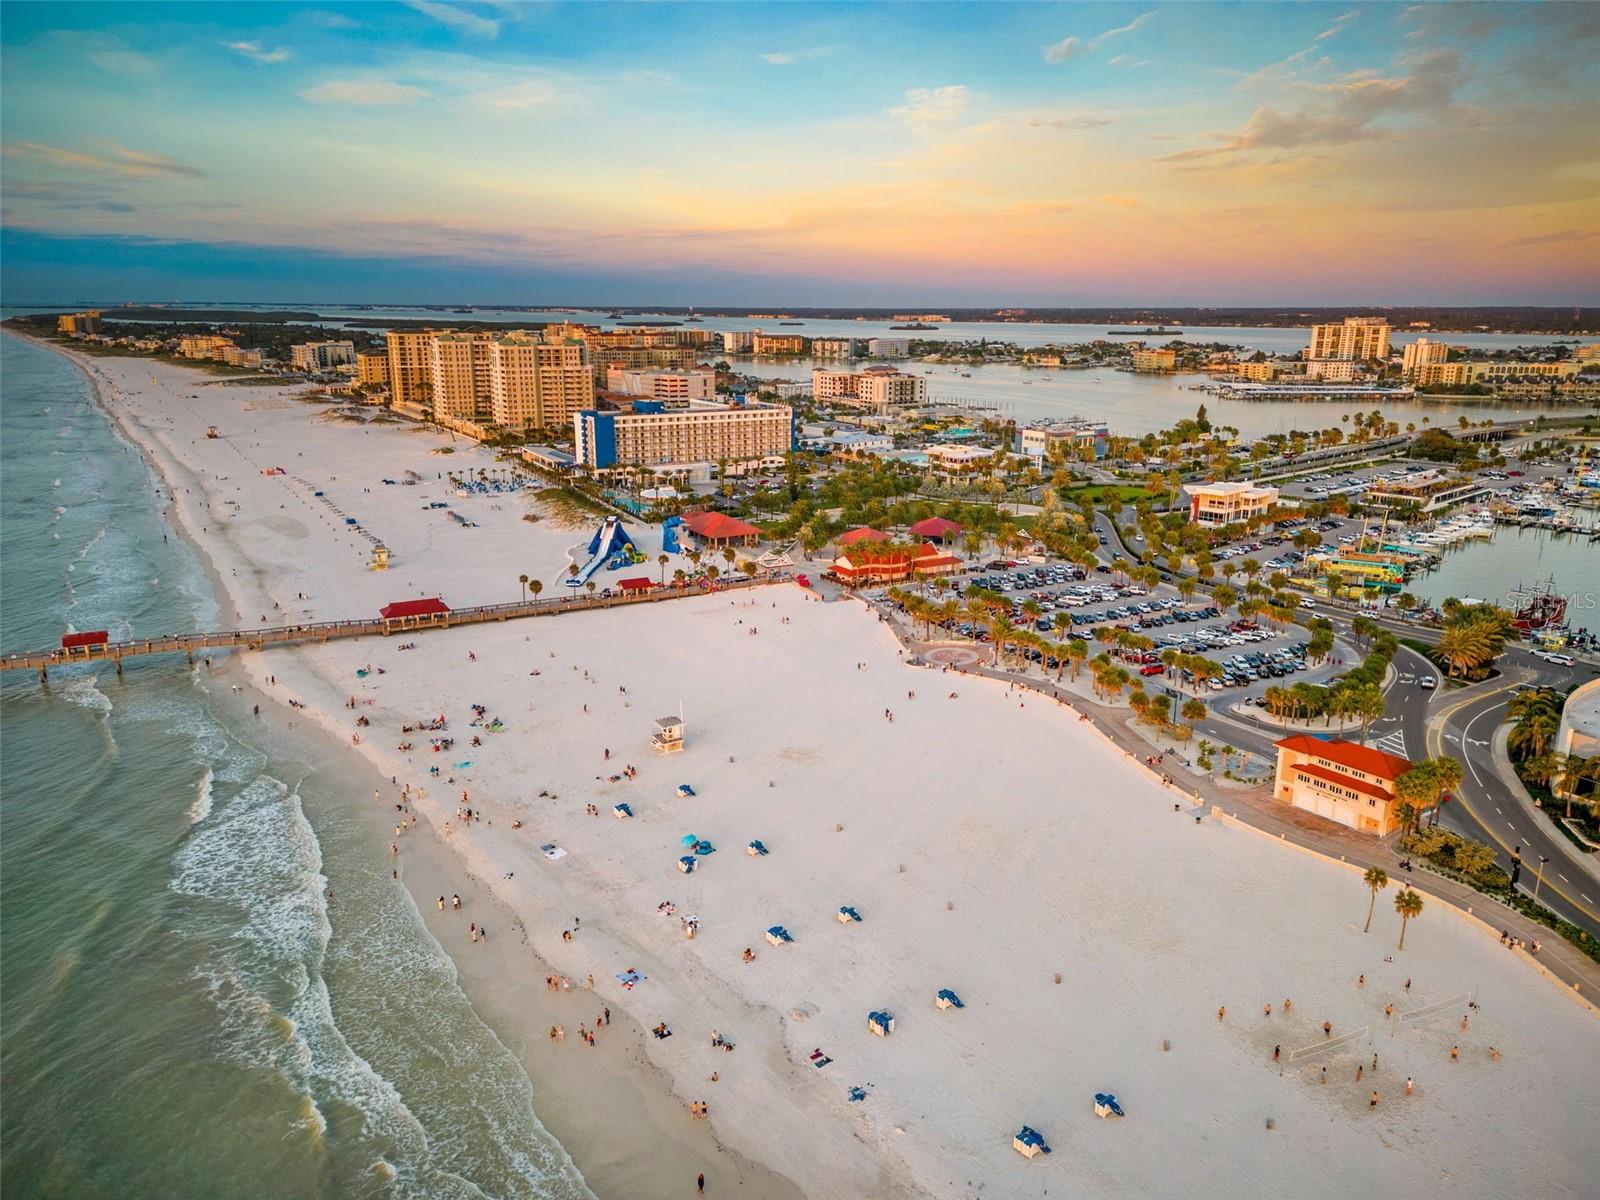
[802, 153]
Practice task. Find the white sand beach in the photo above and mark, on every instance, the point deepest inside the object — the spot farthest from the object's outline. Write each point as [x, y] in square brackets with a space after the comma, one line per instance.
[990, 841]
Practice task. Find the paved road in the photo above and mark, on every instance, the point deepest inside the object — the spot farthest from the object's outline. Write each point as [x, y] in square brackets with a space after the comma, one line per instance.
[1488, 809]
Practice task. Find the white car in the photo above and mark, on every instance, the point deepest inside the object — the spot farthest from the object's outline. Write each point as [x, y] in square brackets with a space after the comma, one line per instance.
[1560, 660]
[1428, 683]
[1308, 603]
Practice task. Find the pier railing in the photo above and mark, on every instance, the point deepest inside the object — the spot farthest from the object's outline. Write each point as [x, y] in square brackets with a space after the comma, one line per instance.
[324, 631]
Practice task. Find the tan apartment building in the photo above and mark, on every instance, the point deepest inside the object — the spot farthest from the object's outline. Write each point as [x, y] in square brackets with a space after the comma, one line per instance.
[322, 356]
[1258, 372]
[1155, 360]
[1341, 781]
[83, 322]
[410, 366]
[777, 343]
[1356, 338]
[372, 368]
[833, 347]
[654, 435]
[879, 389]
[1422, 353]
[236, 356]
[1331, 370]
[696, 383]
[459, 370]
[1227, 503]
[535, 384]
[202, 345]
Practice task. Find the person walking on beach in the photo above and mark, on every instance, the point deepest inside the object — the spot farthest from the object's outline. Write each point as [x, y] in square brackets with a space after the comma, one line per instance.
[1409, 1085]
[700, 1183]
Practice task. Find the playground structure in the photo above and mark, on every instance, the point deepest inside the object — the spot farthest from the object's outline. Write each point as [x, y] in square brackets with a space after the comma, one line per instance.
[380, 558]
[610, 548]
[669, 535]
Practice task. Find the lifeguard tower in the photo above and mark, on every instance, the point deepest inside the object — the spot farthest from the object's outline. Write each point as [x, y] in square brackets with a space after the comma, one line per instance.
[380, 558]
[668, 737]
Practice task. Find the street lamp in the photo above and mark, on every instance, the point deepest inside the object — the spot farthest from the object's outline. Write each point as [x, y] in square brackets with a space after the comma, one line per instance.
[1540, 878]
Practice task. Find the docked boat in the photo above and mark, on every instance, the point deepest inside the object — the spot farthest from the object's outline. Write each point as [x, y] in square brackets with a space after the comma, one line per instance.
[1538, 607]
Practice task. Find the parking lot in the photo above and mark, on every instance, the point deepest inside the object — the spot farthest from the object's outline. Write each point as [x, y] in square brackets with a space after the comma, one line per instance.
[1250, 656]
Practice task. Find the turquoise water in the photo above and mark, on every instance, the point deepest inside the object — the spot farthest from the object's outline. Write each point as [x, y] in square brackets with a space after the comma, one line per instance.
[185, 1011]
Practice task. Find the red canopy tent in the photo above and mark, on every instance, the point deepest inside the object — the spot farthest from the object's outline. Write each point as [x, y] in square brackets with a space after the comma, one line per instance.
[637, 584]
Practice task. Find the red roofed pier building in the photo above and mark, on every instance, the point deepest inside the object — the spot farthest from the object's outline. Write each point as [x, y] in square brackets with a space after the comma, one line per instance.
[414, 614]
[1351, 784]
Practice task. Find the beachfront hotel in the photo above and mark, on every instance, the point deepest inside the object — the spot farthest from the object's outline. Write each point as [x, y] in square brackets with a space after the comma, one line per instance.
[1227, 503]
[878, 389]
[695, 383]
[1342, 781]
[1356, 338]
[478, 379]
[654, 435]
[833, 347]
[889, 347]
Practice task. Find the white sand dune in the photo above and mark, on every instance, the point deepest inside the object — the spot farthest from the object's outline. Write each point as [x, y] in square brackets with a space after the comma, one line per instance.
[989, 842]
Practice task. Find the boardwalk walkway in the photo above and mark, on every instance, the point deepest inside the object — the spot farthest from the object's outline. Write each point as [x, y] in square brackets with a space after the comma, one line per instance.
[324, 631]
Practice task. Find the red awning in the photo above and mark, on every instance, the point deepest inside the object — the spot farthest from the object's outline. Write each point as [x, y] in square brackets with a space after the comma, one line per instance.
[432, 606]
[90, 637]
[637, 584]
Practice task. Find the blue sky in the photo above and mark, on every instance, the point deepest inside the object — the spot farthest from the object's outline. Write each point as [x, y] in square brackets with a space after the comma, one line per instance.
[798, 153]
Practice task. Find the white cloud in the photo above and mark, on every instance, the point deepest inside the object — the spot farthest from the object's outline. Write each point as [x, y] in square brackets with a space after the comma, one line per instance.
[932, 106]
[1069, 48]
[365, 92]
[115, 159]
[459, 18]
[522, 95]
[255, 52]
[1338, 25]
[784, 58]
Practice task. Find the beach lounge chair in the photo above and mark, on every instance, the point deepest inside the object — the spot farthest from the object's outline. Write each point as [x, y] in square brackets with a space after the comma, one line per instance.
[630, 977]
[848, 914]
[855, 1094]
[1029, 1142]
[621, 811]
[685, 791]
[1105, 1105]
[687, 864]
[947, 999]
[755, 849]
[704, 847]
[778, 935]
[880, 1023]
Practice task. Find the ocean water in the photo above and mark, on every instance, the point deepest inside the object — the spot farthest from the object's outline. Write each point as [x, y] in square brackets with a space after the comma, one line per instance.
[186, 1012]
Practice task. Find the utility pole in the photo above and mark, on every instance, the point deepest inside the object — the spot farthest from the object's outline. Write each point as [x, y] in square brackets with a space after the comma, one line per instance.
[1540, 878]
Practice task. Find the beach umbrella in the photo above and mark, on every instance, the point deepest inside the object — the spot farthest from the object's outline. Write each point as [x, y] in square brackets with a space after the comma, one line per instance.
[688, 839]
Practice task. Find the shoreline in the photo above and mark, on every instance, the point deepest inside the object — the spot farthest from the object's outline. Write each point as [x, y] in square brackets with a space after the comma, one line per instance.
[969, 879]
[657, 1150]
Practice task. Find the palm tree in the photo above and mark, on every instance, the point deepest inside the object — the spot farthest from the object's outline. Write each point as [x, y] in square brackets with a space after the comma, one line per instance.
[536, 586]
[1376, 879]
[1532, 733]
[1569, 775]
[589, 587]
[523, 580]
[1077, 651]
[1408, 904]
[663, 560]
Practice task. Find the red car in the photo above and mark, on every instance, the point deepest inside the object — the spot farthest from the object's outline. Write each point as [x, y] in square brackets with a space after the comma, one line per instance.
[1152, 669]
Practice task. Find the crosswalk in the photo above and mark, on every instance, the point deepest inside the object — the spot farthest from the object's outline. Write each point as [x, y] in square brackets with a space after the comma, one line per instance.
[1393, 743]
